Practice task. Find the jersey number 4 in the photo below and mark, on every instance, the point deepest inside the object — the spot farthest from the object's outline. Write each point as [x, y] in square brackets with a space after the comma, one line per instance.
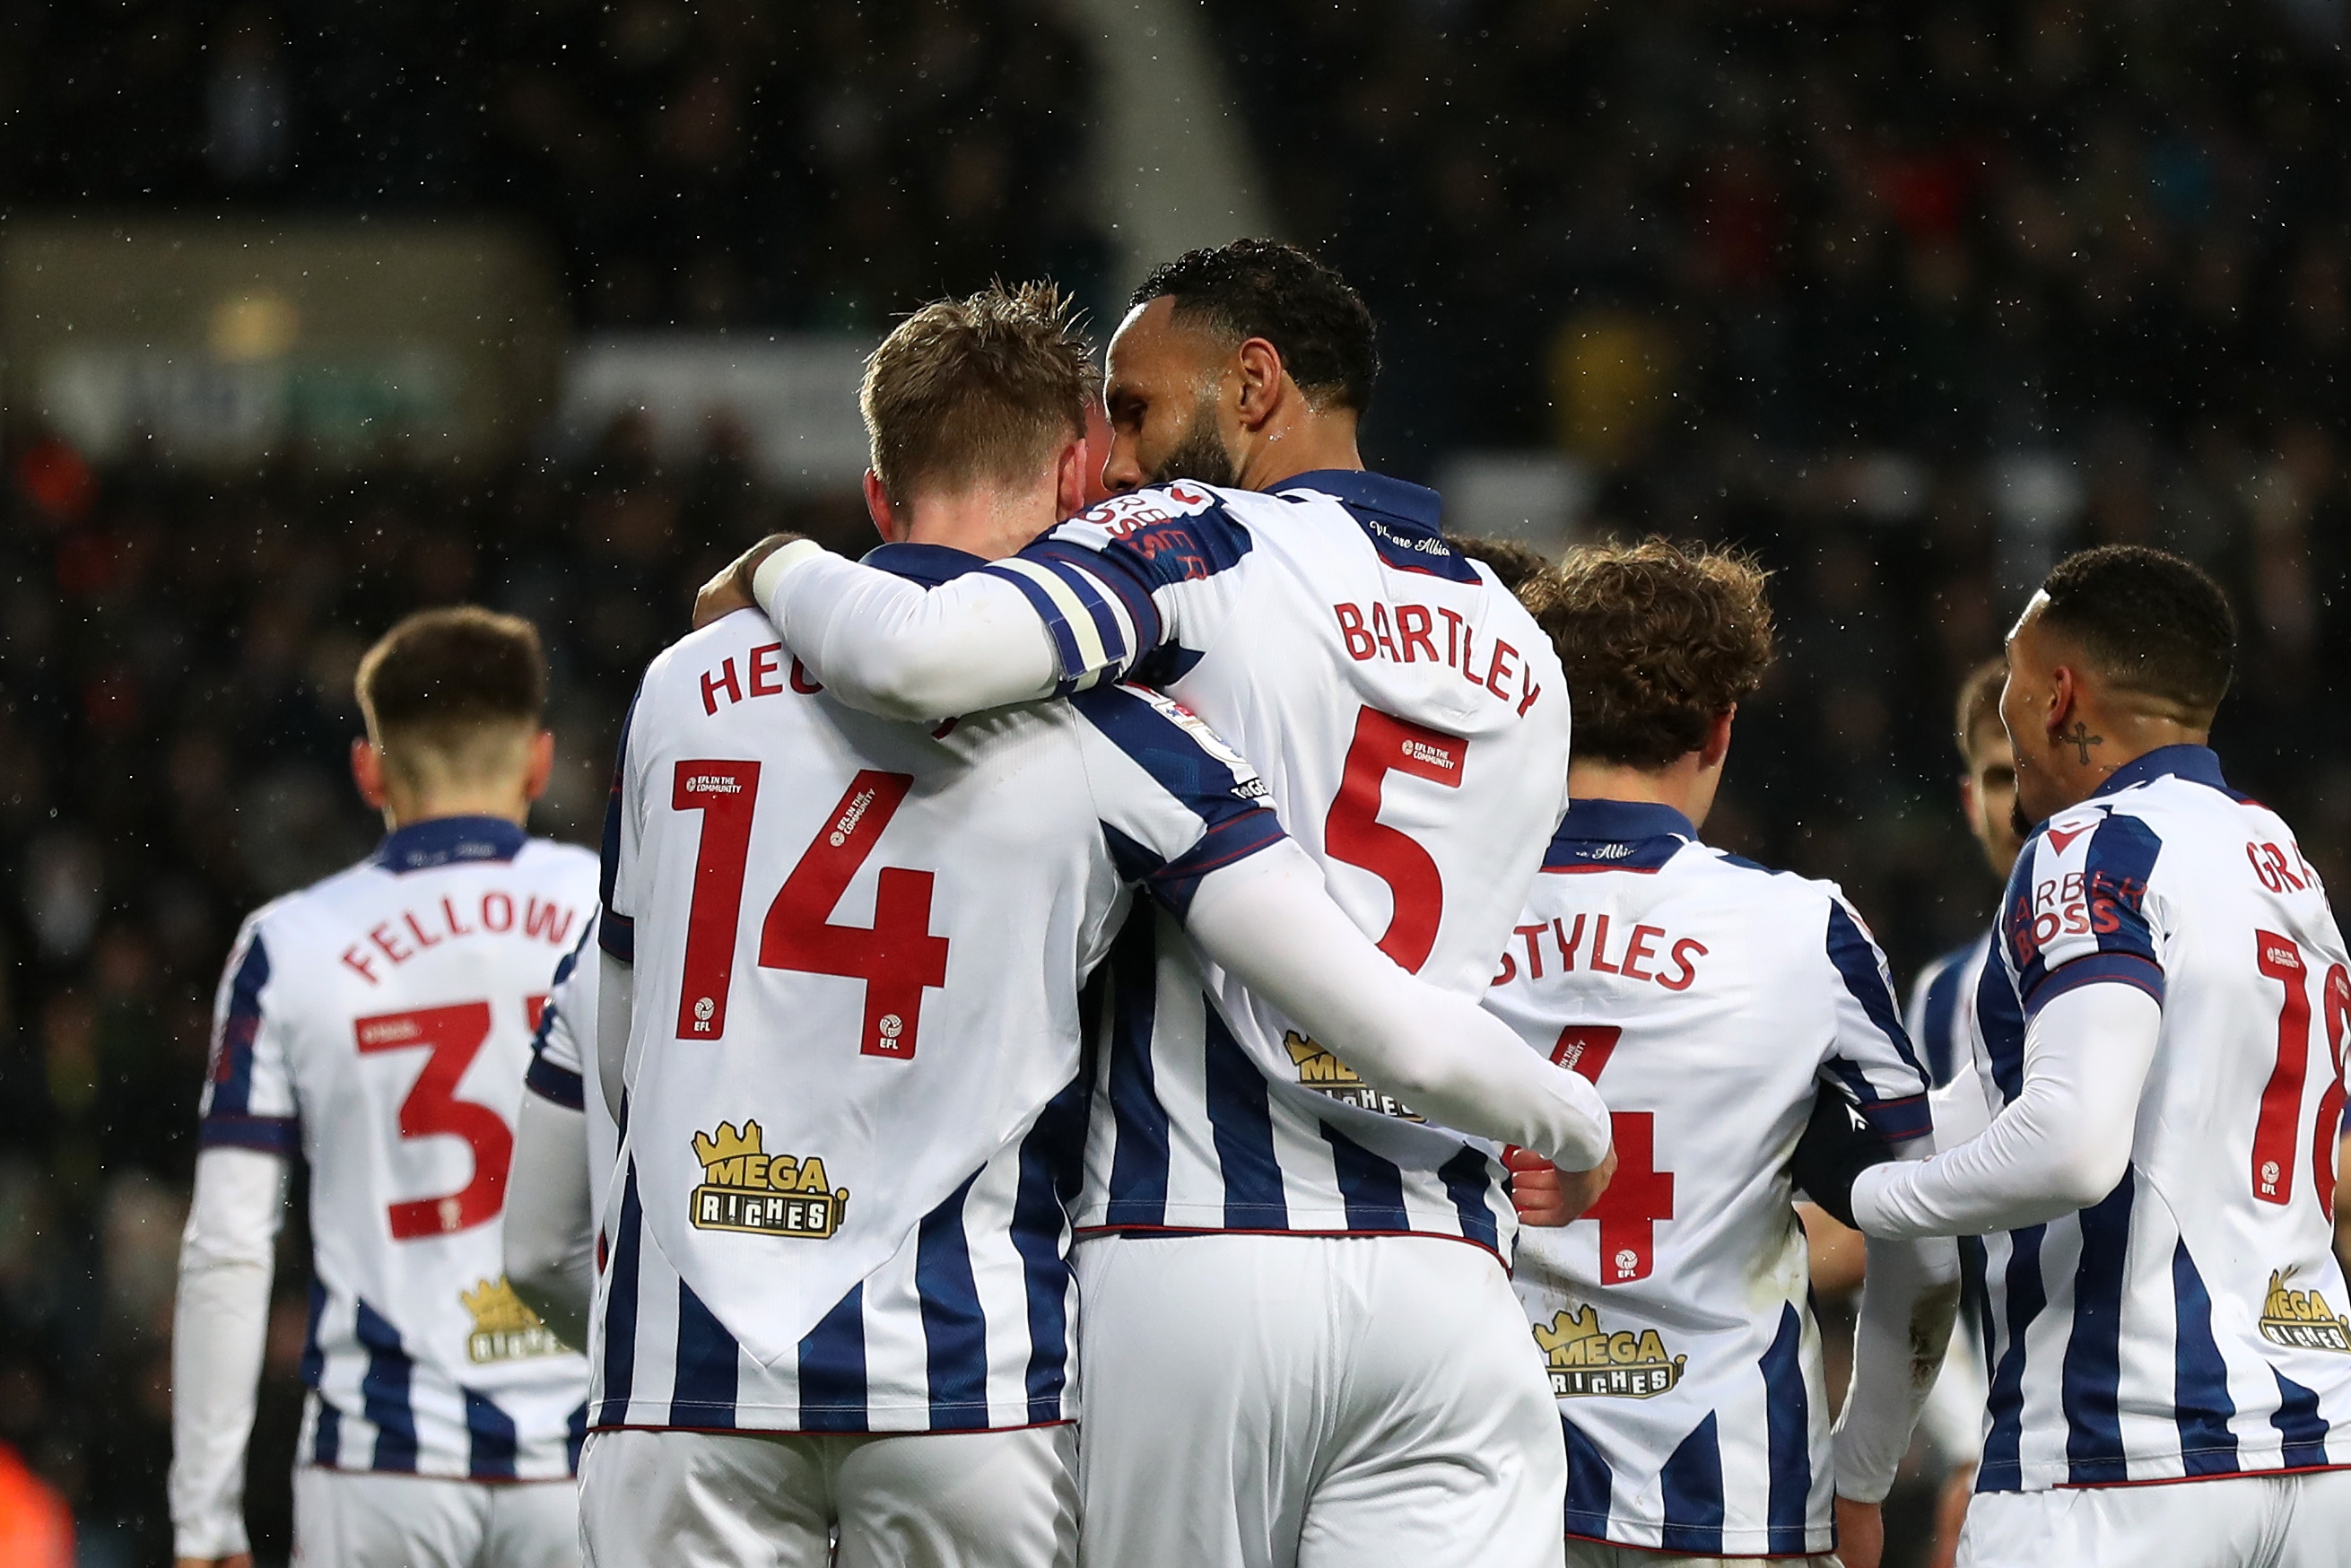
[454, 1035]
[1640, 1195]
[2279, 1125]
[896, 956]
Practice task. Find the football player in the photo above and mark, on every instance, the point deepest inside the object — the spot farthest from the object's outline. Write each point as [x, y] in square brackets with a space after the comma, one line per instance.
[844, 964]
[2160, 1044]
[1716, 1004]
[1298, 1324]
[377, 1024]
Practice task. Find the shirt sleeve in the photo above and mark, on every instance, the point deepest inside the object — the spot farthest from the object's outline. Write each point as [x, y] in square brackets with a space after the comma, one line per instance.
[1175, 801]
[220, 1325]
[1871, 1059]
[1123, 575]
[2077, 912]
[248, 1095]
[556, 1071]
[616, 926]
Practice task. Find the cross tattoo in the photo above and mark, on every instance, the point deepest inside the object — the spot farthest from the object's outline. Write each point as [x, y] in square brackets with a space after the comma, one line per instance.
[2082, 740]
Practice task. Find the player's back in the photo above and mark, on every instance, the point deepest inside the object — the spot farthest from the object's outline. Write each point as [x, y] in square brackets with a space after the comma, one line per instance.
[381, 1021]
[857, 947]
[1413, 726]
[2185, 1325]
[1708, 999]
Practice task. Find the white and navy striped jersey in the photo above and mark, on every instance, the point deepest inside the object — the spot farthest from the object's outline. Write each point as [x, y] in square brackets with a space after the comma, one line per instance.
[379, 1023]
[1412, 722]
[1709, 1000]
[854, 1111]
[563, 1054]
[1940, 1018]
[2190, 1323]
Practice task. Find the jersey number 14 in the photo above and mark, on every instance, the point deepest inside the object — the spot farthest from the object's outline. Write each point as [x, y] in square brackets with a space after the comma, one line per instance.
[896, 956]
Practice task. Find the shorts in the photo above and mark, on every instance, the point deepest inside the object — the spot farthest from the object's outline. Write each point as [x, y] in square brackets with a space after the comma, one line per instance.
[371, 1519]
[1327, 1402]
[2229, 1521]
[759, 1499]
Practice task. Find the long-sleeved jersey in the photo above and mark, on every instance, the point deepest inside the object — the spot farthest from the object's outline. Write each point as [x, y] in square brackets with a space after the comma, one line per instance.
[1710, 1000]
[379, 1023]
[1413, 724]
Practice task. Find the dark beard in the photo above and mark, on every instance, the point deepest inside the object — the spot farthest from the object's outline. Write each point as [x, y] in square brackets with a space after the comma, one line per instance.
[1200, 457]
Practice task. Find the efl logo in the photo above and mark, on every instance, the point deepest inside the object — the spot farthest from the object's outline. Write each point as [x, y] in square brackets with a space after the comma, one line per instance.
[712, 784]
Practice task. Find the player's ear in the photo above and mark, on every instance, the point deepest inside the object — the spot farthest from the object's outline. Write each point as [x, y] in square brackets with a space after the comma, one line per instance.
[1070, 487]
[877, 507]
[2065, 696]
[542, 765]
[1716, 746]
[367, 771]
[1259, 366]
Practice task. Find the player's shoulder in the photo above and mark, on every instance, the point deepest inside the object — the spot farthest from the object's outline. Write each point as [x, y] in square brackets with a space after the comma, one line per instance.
[556, 858]
[1182, 529]
[1171, 742]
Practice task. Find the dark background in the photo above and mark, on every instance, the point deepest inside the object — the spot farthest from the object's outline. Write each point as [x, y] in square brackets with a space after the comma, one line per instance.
[1875, 271]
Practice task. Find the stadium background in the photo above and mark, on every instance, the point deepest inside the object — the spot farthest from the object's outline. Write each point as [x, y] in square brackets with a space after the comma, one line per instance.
[310, 318]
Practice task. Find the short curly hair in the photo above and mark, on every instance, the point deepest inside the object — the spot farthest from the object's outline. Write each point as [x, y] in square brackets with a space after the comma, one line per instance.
[1658, 640]
[1265, 288]
[2151, 624]
[967, 391]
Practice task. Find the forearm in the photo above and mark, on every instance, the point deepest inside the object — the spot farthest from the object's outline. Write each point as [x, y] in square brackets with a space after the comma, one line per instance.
[549, 1228]
[220, 1328]
[1909, 1295]
[892, 647]
[2061, 1145]
[1269, 921]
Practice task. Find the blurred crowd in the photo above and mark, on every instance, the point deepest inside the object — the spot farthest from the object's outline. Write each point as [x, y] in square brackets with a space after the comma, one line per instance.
[1907, 302]
[718, 163]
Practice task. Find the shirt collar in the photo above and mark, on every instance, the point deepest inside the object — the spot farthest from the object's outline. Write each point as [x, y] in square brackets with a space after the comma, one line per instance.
[1414, 507]
[928, 564]
[1623, 822]
[445, 840]
[2195, 764]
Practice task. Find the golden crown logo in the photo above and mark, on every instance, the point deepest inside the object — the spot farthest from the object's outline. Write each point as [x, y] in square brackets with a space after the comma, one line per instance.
[745, 1188]
[1585, 1360]
[505, 1329]
[1325, 1074]
[2301, 1319]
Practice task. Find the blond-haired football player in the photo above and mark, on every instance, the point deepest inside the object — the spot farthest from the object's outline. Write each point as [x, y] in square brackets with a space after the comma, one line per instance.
[377, 1024]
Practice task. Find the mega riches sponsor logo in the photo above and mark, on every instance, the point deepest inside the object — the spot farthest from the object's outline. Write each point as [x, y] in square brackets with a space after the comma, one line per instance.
[1325, 1074]
[745, 1188]
[2301, 1319]
[1585, 1360]
[504, 1328]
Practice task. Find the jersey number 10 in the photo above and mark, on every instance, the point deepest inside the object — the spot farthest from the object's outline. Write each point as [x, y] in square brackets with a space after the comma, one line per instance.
[896, 956]
[2280, 1122]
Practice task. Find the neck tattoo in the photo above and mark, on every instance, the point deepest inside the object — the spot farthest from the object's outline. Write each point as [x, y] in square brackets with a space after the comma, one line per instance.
[2081, 739]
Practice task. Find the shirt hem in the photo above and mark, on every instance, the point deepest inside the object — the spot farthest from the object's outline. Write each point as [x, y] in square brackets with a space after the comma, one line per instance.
[869, 1431]
[566, 1475]
[2239, 1473]
[1094, 1232]
[1825, 1535]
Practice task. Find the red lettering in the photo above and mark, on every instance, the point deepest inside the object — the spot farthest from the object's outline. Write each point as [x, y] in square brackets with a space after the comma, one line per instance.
[394, 953]
[2077, 919]
[1359, 646]
[1527, 675]
[764, 661]
[1469, 654]
[1412, 626]
[1452, 635]
[1528, 934]
[730, 686]
[539, 920]
[1568, 942]
[1684, 951]
[1380, 629]
[455, 928]
[504, 921]
[802, 682]
[1503, 654]
[1510, 971]
[1599, 947]
[1636, 947]
[357, 961]
[418, 930]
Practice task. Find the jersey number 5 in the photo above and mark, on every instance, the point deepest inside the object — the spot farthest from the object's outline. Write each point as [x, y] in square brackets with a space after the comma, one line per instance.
[896, 956]
[1640, 1195]
[2279, 1124]
[1385, 744]
[455, 1036]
